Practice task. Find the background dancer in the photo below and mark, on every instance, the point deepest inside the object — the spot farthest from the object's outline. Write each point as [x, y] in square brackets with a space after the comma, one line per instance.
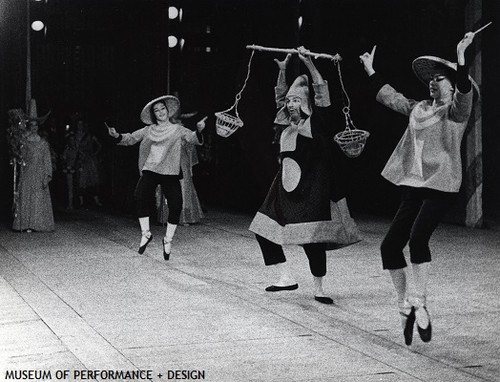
[34, 208]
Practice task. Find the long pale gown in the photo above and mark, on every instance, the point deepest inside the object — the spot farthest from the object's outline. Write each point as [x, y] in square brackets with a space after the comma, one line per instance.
[34, 208]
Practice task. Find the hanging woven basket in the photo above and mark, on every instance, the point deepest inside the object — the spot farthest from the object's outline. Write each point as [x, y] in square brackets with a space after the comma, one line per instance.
[352, 141]
[227, 123]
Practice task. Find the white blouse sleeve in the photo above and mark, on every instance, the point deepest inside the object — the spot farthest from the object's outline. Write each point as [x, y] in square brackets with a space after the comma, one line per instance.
[129, 139]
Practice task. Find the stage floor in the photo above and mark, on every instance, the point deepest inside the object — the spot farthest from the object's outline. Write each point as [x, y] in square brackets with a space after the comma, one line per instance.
[82, 298]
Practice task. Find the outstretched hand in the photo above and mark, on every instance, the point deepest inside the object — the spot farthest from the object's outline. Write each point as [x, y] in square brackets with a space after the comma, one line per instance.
[283, 64]
[367, 60]
[200, 125]
[112, 131]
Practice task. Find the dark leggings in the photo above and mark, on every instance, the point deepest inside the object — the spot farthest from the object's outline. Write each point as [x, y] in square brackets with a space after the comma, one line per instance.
[145, 193]
[420, 212]
[316, 254]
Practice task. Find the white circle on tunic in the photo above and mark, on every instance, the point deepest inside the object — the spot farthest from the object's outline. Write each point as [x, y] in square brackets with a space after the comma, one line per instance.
[291, 174]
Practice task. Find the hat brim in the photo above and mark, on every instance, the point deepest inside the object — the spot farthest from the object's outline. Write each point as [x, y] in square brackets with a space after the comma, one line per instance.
[425, 67]
[40, 120]
[173, 105]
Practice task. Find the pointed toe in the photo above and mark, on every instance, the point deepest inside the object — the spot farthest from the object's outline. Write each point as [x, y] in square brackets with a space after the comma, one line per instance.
[278, 288]
[142, 248]
[323, 300]
[408, 328]
[167, 246]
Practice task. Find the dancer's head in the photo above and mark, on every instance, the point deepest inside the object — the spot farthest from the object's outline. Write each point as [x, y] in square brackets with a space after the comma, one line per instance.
[33, 120]
[441, 87]
[297, 102]
[160, 109]
[439, 75]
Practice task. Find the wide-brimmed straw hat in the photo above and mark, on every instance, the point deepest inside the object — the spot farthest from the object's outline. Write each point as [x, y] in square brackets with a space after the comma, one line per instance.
[173, 105]
[425, 67]
[33, 113]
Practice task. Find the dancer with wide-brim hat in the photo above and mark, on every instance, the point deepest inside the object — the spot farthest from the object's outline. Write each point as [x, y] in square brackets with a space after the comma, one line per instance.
[159, 163]
[426, 165]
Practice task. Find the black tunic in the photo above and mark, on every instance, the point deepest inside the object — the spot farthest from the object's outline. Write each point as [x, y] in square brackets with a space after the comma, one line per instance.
[306, 202]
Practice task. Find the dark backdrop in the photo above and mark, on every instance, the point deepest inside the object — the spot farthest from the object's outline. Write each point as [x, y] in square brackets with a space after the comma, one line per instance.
[107, 58]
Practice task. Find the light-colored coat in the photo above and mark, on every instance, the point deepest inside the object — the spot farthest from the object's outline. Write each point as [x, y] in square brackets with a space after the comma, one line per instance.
[160, 148]
[428, 154]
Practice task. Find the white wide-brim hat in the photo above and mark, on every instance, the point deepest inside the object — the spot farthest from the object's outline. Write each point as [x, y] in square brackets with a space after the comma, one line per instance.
[173, 105]
[425, 67]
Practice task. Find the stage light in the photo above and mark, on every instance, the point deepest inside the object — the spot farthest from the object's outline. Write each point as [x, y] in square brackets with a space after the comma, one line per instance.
[173, 12]
[172, 41]
[37, 25]
[300, 21]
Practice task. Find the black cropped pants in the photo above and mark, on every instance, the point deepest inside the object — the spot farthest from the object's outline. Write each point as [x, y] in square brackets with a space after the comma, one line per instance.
[315, 252]
[420, 212]
[145, 194]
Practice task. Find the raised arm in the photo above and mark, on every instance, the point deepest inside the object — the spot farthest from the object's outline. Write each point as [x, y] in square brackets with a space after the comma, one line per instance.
[367, 61]
[463, 99]
[316, 76]
[281, 87]
[385, 93]
[320, 86]
[282, 65]
[463, 82]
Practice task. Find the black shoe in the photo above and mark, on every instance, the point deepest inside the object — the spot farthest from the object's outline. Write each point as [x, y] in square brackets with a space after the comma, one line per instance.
[425, 334]
[142, 248]
[323, 300]
[166, 255]
[277, 288]
[408, 330]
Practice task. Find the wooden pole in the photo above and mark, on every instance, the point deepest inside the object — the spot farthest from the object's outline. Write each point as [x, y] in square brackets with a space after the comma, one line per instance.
[335, 57]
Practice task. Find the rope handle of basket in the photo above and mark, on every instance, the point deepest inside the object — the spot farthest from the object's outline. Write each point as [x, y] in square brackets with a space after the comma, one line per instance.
[238, 96]
[347, 107]
[335, 57]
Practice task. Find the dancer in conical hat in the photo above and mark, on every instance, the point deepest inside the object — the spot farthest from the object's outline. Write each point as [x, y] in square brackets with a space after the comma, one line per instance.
[33, 114]
[427, 167]
[306, 204]
[34, 208]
